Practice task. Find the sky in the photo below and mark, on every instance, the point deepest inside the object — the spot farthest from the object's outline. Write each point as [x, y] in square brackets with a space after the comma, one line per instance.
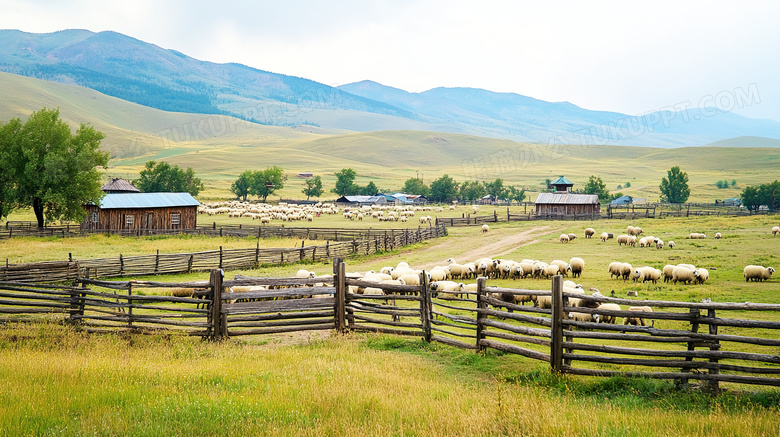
[629, 57]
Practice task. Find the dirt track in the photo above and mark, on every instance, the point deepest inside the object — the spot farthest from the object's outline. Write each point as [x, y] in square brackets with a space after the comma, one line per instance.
[500, 246]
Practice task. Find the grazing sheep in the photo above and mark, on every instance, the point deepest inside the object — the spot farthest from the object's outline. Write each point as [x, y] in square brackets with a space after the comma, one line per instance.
[604, 237]
[637, 231]
[704, 274]
[550, 271]
[697, 236]
[609, 307]
[625, 270]
[590, 232]
[387, 270]
[632, 240]
[455, 289]
[438, 274]
[637, 320]
[775, 230]
[718, 236]
[564, 238]
[305, 274]
[650, 274]
[659, 244]
[584, 317]
[757, 273]
[577, 266]
[622, 239]
[572, 236]
[614, 269]
[671, 245]
[410, 279]
[571, 284]
[630, 230]
[563, 267]
[485, 228]
[684, 274]
[667, 272]
[573, 301]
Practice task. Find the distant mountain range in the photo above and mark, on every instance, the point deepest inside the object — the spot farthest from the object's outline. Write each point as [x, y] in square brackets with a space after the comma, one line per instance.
[133, 70]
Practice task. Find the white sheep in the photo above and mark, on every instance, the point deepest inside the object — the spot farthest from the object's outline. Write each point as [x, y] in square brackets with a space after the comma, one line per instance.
[610, 307]
[584, 317]
[775, 230]
[697, 236]
[563, 267]
[604, 237]
[704, 274]
[632, 240]
[637, 320]
[448, 287]
[614, 269]
[667, 272]
[305, 274]
[671, 244]
[650, 274]
[630, 230]
[625, 270]
[757, 273]
[438, 274]
[718, 236]
[572, 236]
[485, 228]
[622, 239]
[684, 274]
[589, 232]
[410, 278]
[659, 244]
[577, 266]
[564, 238]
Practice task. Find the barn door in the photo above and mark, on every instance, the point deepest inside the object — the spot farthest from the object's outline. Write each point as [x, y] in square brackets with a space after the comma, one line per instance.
[149, 220]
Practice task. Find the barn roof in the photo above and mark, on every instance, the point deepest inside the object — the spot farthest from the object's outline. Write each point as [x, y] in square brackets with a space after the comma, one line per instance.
[362, 199]
[119, 185]
[146, 200]
[567, 198]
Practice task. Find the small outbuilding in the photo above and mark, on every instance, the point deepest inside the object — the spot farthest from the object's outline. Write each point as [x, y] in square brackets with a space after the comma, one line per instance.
[119, 185]
[561, 185]
[362, 200]
[142, 211]
[556, 204]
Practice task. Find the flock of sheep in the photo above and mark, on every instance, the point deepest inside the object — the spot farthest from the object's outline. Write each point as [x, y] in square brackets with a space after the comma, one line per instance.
[266, 212]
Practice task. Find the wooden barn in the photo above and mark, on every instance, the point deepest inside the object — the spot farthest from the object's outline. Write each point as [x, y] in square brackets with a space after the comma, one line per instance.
[555, 204]
[138, 211]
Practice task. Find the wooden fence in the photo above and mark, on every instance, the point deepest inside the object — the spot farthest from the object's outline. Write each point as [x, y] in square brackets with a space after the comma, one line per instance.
[711, 342]
[370, 242]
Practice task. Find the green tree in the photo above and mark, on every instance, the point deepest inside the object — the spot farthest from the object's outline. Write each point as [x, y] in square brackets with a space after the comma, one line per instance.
[369, 190]
[596, 186]
[48, 168]
[770, 195]
[242, 185]
[751, 198]
[719, 184]
[345, 182]
[313, 187]
[472, 190]
[627, 185]
[267, 182]
[674, 188]
[163, 178]
[733, 183]
[496, 189]
[415, 186]
[514, 194]
[444, 189]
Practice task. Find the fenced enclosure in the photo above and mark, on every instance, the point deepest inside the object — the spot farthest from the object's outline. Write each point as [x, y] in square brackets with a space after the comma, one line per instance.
[357, 242]
[712, 342]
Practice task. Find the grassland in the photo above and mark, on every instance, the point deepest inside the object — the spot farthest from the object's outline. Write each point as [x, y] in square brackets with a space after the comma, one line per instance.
[56, 380]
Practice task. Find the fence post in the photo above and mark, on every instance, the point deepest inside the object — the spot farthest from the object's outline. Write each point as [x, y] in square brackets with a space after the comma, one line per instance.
[129, 305]
[695, 313]
[340, 304]
[157, 261]
[556, 345]
[215, 282]
[425, 314]
[481, 305]
[712, 385]
[220, 255]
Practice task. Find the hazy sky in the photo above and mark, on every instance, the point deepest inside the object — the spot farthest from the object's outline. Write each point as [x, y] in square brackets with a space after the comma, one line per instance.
[630, 57]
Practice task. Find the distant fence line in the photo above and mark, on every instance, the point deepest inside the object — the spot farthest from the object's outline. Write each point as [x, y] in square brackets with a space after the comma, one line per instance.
[360, 242]
[686, 344]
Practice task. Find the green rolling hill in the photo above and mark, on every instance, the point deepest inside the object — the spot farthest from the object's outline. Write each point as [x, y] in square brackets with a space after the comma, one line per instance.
[219, 148]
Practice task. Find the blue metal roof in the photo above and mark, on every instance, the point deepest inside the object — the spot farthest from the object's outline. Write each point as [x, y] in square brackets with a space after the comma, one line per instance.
[146, 200]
